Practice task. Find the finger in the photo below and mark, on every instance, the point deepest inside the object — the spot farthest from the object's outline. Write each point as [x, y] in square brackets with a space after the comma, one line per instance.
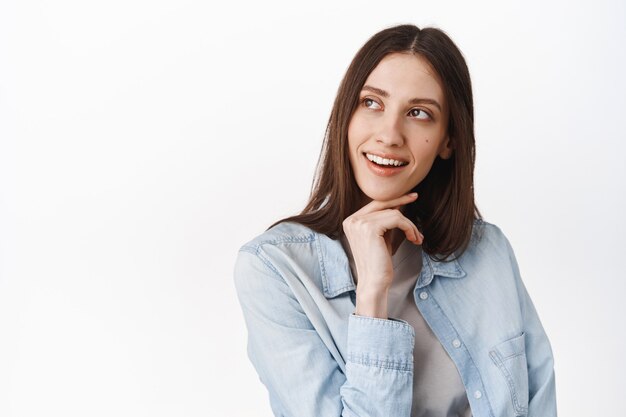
[391, 218]
[410, 230]
[377, 205]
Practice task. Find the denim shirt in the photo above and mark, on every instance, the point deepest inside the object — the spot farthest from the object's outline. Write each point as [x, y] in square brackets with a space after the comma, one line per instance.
[318, 359]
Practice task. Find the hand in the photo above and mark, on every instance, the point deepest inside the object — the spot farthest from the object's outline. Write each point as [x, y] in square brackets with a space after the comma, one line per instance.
[369, 233]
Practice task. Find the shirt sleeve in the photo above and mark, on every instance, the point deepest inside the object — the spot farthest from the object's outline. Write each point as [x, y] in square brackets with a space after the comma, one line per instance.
[540, 360]
[301, 375]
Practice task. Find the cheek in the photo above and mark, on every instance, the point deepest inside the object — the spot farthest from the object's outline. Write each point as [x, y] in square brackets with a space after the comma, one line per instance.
[423, 143]
[358, 126]
[424, 150]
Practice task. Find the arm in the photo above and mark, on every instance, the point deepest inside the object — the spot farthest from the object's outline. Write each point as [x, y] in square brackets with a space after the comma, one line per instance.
[541, 381]
[301, 375]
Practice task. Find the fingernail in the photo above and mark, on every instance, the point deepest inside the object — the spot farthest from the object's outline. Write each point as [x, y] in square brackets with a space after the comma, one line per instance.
[413, 194]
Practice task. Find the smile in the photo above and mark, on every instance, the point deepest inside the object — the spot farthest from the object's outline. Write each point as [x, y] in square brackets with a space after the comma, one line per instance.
[384, 167]
[379, 160]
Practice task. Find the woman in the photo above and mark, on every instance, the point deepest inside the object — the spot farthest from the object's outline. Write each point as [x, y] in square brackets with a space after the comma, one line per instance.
[388, 295]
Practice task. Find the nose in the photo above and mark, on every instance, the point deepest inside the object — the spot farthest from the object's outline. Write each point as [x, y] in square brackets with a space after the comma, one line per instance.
[390, 132]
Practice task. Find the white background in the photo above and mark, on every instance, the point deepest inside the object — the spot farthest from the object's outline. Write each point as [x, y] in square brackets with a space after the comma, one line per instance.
[143, 142]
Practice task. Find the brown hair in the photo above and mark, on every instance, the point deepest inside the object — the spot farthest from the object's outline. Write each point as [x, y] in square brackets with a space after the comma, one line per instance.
[445, 209]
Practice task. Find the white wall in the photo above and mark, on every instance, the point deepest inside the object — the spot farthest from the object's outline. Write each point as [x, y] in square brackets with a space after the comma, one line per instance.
[142, 142]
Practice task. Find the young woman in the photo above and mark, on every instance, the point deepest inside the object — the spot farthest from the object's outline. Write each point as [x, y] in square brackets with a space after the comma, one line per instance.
[388, 295]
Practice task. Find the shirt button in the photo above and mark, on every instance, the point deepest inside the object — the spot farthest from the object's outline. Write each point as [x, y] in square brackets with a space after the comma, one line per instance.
[478, 394]
[423, 295]
[456, 343]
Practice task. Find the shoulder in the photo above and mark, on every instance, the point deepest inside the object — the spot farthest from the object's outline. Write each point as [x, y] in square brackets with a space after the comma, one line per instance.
[491, 269]
[266, 254]
[485, 234]
[291, 255]
[487, 245]
[284, 233]
[284, 247]
[482, 227]
[295, 254]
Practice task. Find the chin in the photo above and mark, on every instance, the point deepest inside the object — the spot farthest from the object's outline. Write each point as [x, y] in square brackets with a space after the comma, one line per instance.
[380, 194]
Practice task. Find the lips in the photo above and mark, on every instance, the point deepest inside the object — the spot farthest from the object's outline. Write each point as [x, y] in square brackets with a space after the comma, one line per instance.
[387, 166]
[385, 160]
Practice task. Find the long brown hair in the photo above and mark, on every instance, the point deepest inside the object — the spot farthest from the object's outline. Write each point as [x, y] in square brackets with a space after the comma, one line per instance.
[445, 209]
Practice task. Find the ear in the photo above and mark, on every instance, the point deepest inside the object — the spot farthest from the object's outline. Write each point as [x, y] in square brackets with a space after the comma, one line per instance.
[445, 149]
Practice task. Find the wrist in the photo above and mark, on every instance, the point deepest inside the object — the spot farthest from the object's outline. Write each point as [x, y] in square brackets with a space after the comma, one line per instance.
[372, 302]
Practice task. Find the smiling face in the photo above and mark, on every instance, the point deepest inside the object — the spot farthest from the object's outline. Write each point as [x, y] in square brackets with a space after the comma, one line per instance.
[398, 128]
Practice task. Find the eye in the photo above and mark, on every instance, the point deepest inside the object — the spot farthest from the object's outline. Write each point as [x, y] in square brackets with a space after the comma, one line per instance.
[419, 114]
[370, 103]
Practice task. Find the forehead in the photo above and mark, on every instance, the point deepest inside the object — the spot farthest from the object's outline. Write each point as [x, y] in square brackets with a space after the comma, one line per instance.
[406, 76]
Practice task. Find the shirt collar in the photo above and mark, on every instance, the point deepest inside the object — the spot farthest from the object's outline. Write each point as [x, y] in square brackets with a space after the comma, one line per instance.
[337, 278]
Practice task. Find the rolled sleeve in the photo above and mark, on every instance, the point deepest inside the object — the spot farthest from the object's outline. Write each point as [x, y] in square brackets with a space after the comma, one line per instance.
[382, 343]
[379, 367]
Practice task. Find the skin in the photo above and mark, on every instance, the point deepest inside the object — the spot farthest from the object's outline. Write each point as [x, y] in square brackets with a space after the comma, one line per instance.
[387, 122]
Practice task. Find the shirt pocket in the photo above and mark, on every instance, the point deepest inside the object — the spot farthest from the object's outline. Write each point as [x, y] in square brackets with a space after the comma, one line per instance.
[510, 357]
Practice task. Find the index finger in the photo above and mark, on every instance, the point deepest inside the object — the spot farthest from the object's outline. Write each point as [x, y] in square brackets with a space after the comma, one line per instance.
[377, 205]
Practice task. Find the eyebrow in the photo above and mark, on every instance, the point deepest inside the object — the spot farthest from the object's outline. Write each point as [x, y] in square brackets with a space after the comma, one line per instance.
[412, 101]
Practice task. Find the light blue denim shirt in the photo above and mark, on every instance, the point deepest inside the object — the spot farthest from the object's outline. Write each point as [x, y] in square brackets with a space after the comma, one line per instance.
[318, 359]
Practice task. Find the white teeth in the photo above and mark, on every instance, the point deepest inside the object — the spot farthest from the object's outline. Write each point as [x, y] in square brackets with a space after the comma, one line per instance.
[384, 161]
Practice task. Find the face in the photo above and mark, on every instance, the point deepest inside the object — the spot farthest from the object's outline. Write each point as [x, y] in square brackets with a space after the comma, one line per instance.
[398, 128]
